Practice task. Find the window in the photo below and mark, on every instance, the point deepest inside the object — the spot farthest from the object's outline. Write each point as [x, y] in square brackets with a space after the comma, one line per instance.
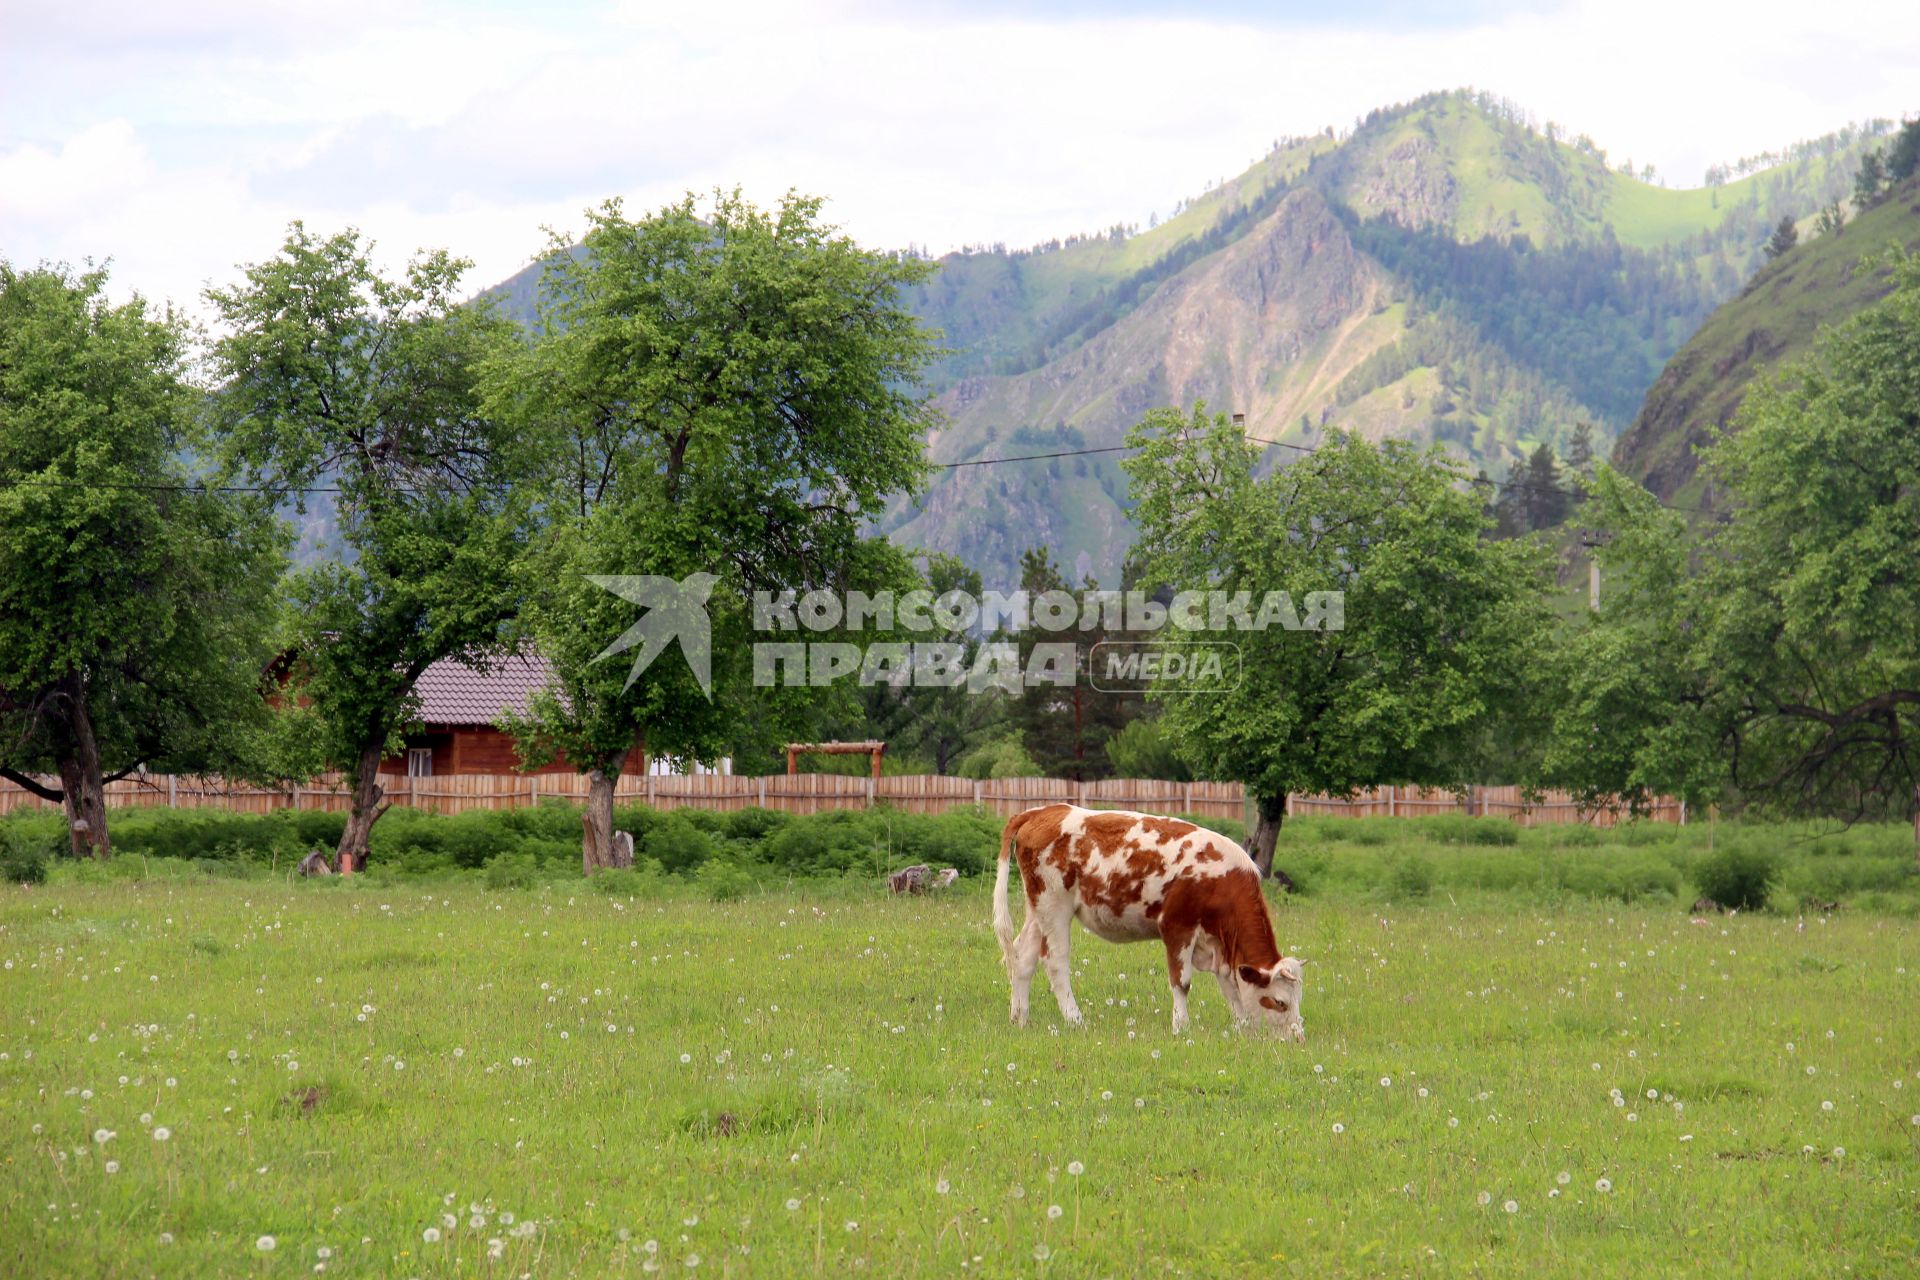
[419, 762]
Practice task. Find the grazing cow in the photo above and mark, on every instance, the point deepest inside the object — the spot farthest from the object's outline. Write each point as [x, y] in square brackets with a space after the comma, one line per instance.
[1128, 877]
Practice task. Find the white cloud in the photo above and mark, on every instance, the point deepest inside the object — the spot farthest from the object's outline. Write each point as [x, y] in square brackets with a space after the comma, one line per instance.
[204, 133]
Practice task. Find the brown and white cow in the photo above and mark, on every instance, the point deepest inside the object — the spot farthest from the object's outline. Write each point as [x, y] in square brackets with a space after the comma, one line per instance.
[1128, 877]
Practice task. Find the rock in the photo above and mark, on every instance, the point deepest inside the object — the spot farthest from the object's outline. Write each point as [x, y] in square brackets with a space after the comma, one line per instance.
[316, 864]
[914, 879]
[622, 855]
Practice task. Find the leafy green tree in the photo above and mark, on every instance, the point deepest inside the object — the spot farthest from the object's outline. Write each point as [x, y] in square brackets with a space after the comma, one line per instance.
[733, 393]
[1785, 236]
[335, 376]
[1832, 219]
[135, 603]
[1442, 632]
[1143, 749]
[1779, 657]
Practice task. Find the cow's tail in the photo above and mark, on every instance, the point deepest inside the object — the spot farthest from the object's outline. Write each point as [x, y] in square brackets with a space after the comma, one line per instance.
[1002, 913]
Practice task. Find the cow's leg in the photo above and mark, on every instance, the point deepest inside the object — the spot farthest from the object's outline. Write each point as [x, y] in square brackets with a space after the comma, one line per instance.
[1054, 942]
[1026, 957]
[1179, 975]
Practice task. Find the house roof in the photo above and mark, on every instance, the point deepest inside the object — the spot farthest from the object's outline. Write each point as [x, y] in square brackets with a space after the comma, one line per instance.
[452, 692]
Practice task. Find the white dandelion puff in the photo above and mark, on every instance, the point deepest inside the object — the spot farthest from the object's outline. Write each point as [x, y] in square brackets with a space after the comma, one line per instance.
[266, 1244]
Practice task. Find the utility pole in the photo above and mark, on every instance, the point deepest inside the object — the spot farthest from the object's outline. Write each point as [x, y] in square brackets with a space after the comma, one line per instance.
[1592, 541]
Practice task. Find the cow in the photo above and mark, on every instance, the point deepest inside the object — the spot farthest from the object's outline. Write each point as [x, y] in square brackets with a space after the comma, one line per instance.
[1128, 877]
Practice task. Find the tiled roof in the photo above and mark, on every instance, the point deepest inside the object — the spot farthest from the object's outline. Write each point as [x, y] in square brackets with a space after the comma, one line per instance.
[452, 692]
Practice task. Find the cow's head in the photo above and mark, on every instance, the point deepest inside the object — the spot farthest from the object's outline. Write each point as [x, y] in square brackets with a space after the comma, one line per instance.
[1270, 996]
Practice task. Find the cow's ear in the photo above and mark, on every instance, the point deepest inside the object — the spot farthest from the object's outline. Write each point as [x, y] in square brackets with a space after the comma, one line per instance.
[1252, 976]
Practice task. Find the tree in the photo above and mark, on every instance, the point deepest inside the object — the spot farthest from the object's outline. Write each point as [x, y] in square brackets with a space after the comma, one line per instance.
[1442, 628]
[1869, 181]
[731, 393]
[942, 722]
[1782, 662]
[1543, 493]
[1065, 726]
[1832, 219]
[1785, 236]
[335, 376]
[135, 603]
[1903, 157]
[1580, 455]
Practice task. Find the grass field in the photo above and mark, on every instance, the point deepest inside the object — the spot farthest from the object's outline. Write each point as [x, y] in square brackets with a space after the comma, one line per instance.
[384, 1079]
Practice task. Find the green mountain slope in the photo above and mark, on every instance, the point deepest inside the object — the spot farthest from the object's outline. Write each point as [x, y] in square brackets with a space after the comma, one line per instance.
[1445, 273]
[1772, 322]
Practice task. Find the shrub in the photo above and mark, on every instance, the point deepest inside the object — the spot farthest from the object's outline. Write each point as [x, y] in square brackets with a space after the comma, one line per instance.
[676, 843]
[1737, 875]
[724, 880]
[512, 871]
[1412, 877]
[754, 823]
[644, 880]
[1458, 828]
[24, 854]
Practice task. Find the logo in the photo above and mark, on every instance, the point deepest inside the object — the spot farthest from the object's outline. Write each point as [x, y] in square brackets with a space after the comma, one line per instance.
[676, 610]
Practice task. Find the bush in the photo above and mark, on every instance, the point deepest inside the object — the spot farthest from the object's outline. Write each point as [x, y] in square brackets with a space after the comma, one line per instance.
[512, 871]
[724, 880]
[1737, 876]
[1412, 877]
[675, 842]
[24, 854]
[1458, 828]
[644, 880]
[754, 823]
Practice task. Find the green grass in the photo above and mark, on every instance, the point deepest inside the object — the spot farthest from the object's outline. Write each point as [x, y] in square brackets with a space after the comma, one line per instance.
[339, 1065]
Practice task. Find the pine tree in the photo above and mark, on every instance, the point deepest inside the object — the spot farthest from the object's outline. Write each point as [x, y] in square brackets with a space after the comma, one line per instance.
[1580, 451]
[1867, 183]
[1785, 236]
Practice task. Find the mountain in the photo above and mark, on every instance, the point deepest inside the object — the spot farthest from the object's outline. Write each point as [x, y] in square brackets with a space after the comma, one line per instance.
[1772, 322]
[1447, 272]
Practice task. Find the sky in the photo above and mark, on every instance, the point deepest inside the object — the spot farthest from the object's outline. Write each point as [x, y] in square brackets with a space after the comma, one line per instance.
[177, 138]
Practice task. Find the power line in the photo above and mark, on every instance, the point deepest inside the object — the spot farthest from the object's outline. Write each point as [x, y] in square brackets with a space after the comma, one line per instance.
[334, 490]
[1299, 448]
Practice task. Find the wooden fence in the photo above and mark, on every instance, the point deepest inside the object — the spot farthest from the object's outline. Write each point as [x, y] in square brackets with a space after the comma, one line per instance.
[817, 792]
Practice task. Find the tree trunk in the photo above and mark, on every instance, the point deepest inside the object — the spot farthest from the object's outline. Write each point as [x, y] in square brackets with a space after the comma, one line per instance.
[1271, 811]
[369, 802]
[83, 792]
[596, 849]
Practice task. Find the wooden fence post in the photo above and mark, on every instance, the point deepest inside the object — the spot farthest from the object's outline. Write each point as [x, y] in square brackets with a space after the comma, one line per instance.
[173, 794]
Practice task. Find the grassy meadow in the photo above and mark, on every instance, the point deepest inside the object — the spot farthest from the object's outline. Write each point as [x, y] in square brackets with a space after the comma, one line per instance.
[207, 1073]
